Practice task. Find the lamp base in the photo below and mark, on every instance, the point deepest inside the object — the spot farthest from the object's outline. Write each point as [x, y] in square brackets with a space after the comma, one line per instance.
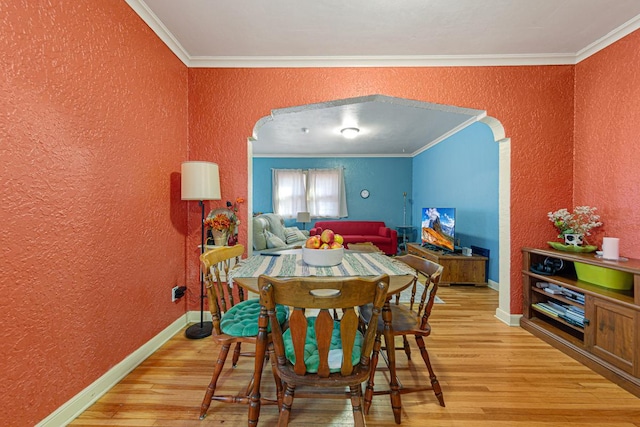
[199, 330]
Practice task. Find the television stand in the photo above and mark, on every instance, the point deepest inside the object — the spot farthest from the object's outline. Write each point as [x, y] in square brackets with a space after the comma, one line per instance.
[458, 269]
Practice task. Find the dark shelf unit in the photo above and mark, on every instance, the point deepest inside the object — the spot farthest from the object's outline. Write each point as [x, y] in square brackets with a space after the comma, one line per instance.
[609, 343]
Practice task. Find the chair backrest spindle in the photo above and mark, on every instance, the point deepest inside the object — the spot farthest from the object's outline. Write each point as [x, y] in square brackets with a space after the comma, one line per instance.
[432, 272]
[219, 292]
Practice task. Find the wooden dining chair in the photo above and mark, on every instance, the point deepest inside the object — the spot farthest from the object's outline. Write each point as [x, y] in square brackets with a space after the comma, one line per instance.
[320, 352]
[234, 318]
[409, 320]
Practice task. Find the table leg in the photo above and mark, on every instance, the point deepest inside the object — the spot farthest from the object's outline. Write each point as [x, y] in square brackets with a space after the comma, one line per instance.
[261, 348]
[396, 403]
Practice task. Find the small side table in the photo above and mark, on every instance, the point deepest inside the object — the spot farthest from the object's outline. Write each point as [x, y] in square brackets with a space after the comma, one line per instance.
[405, 232]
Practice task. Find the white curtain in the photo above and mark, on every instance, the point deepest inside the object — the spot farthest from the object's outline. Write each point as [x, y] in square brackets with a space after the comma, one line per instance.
[326, 195]
[288, 193]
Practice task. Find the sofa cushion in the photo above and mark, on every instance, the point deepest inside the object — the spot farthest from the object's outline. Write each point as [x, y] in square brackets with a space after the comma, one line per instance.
[260, 225]
[384, 231]
[274, 241]
[293, 235]
[276, 225]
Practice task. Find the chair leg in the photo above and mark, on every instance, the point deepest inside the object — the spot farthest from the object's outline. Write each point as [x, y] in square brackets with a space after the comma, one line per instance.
[407, 349]
[236, 355]
[276, 377]
[368, 395]
[287, 403]
[206, 402]
[356, 404]
[432, 376]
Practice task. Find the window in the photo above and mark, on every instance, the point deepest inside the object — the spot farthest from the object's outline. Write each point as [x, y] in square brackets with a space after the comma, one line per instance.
[289, 193]
[321, 192]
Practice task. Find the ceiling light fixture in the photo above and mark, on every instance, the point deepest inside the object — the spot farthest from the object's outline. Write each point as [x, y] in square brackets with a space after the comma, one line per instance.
[350, 132]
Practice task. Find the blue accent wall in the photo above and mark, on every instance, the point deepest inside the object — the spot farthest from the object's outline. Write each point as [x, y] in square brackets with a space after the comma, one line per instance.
[462, 172]
[459, 172]
[386, 178]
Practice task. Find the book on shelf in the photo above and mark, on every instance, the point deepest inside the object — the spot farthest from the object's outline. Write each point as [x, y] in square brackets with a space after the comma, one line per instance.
[572, 321]
[576, 300]
[574, 316]
[561, 309]
[545, 310]
[575, 309]
[554, 289]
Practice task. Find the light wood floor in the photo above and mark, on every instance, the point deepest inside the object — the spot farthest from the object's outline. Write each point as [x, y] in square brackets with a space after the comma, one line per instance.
[491, 375]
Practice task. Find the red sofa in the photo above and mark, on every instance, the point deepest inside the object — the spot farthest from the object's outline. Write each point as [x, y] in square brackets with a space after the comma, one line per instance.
[375, 232]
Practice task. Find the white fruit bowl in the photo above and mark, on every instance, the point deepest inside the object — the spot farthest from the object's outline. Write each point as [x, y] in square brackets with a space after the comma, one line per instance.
[322, 257]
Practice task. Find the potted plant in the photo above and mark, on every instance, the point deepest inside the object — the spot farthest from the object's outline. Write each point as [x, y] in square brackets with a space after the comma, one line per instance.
[574, 226]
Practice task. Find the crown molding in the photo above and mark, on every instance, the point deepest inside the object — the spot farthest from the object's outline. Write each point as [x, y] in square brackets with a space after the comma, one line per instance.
[380, 61]
[156, 25]
[622, 31]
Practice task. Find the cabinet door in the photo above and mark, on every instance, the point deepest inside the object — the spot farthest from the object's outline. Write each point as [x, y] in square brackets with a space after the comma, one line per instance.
[610, 333]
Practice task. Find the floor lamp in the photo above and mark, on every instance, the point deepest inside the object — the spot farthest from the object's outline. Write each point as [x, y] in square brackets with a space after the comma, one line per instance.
[200, 181]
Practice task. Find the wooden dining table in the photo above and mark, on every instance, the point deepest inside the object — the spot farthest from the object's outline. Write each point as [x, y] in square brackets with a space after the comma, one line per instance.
[289, 263]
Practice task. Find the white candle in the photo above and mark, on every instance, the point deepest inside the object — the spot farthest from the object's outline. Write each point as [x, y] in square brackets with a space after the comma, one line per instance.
[610, 248]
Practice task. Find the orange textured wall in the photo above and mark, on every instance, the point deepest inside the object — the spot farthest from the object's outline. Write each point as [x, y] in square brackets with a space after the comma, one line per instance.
[93, 128]
[96, 113]
[607, 129]
[535, 105]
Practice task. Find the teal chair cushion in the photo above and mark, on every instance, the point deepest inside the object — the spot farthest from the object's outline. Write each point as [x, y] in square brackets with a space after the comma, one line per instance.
[242, 319]
[311, 358]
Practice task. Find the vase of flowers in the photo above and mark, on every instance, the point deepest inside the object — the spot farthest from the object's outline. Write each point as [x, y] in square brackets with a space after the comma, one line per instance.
[224, 224]
[220, 224]
[574, 227]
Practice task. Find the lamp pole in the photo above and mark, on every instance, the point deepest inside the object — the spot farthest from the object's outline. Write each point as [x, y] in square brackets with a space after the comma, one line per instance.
[200, 181]
[404, 209]
[202, 329]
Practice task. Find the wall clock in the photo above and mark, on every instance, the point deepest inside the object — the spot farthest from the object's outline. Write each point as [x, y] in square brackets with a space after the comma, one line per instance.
[364, 194]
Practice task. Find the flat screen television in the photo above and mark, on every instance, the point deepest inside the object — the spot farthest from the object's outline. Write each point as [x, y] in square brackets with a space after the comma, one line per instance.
[439, 228]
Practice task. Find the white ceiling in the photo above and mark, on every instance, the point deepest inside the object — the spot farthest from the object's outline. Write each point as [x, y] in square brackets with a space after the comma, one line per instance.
[338, 33]
[259, 33]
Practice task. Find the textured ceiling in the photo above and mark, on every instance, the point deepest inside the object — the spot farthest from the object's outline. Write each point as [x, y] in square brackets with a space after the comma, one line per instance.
[388, 127]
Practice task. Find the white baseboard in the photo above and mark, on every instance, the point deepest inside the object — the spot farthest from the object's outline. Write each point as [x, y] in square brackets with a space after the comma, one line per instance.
[509, 319]
[80, 402]
[194, 316]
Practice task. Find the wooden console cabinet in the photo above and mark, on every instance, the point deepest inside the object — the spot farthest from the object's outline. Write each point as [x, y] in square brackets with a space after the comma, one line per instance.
[608, 341]
[457, 269]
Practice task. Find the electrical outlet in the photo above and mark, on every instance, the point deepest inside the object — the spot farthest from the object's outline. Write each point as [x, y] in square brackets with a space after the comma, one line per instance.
[174, 291]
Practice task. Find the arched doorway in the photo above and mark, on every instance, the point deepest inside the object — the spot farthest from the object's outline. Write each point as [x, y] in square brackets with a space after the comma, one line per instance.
[503, 311]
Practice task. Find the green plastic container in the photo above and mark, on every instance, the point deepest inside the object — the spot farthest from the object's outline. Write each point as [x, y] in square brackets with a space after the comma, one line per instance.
[602, 276]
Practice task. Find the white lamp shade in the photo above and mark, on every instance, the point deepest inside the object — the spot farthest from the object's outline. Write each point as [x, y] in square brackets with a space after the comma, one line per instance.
[200, 181]
[303, 217]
